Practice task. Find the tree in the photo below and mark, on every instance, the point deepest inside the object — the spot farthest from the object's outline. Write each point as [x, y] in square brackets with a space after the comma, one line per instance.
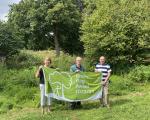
[10, 41]
[117, 29]
[80, 4]
[35, 20]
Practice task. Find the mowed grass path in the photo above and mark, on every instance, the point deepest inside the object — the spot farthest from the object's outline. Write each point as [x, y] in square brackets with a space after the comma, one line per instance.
[132, 106]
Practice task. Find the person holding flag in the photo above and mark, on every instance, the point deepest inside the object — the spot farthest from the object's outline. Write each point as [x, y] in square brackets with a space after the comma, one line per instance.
[77, 67]
[40, 74]
[106, 72]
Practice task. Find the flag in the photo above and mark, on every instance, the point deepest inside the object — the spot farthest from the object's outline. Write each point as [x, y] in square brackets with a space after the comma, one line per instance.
[72, 87]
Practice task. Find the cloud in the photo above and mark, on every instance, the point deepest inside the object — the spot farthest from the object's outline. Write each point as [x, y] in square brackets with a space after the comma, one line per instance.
[4, 8]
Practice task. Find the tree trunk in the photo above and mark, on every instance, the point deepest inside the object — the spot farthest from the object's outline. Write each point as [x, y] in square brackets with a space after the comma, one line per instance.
[80, 5]
[57, 46]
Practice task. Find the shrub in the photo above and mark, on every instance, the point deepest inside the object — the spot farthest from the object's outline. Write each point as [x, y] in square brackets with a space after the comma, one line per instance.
[117, 29]
[120, 85]
[140, 74]
[23, 94]
[28, 59]
[10, 41]
[6, 105]
[63, 62]
[23, 60]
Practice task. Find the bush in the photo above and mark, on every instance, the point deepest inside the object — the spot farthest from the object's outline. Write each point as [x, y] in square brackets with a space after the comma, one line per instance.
[10, 41]
[116, 29]
[23, 60]
[120, 85]
[140, 74]
[28, 59]
[24, 94]
[6, 104]
[17, 87]
[63, 62]
[22, 77]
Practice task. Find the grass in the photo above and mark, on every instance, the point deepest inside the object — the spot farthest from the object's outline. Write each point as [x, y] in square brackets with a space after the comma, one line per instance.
[132, 106]
[29, 58]
[19, 93]
[128, 102]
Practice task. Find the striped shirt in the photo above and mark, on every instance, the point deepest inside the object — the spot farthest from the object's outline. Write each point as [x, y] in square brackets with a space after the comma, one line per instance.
[105, 69]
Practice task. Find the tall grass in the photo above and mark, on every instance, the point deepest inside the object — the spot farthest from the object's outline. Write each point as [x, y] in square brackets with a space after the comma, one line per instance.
[28, 58]
[19, 87]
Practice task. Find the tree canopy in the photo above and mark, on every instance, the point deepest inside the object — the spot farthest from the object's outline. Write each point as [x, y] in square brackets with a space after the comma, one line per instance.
[35, 20]
[10, 41]
[118, 29]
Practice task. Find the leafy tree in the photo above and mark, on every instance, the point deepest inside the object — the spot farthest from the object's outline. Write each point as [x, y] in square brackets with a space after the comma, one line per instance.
[37, 20]
[10, 41]
[118, 29]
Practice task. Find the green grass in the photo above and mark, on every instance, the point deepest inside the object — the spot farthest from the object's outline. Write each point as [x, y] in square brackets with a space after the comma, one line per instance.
[29, 58]
[132, 106]
[19, 92]
[129, 101]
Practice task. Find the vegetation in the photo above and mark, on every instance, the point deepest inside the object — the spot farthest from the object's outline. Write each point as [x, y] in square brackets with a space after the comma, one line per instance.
[117, 29]
[9, 42]
[47, 24]
[64, 29]
[114, 28]
[20, 91]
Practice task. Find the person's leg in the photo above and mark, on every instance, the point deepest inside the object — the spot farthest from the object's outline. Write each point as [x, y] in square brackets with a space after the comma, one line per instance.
[106, 99]
[72, 105]
[49, 103]
[42, 90]
[78, 104]
[102, 99]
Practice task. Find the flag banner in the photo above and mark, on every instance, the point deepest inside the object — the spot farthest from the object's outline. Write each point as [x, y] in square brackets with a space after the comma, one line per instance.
[71, 87]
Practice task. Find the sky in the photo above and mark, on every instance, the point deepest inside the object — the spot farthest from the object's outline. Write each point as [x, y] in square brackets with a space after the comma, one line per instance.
[4, 8]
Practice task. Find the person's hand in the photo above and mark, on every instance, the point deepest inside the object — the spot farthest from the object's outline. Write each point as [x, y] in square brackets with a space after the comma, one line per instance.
[77, 71]
[103, 83]
[40, 67]
[57, 69]
[96, 70]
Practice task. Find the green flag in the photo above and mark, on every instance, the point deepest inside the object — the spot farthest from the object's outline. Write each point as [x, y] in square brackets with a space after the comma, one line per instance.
[72, 87]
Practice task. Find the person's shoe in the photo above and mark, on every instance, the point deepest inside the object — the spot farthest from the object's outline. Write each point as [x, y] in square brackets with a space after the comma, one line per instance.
[101, 106]
[78, 106]
[49, 109]
[42, 110]
[72, 106]
[107, 106]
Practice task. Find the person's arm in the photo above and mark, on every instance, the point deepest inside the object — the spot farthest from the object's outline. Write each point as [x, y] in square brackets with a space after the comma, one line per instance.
[97, 70]
[109, 74]
[37, 74]
[71, 69]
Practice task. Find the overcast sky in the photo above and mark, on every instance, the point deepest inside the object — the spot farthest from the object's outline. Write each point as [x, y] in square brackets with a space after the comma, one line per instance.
[4, 8]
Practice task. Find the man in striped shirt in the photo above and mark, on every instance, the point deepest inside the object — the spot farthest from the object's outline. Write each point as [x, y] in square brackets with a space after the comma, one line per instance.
[106, 72]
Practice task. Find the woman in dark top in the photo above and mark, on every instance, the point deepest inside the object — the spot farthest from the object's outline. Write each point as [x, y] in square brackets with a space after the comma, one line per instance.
[39, 74]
